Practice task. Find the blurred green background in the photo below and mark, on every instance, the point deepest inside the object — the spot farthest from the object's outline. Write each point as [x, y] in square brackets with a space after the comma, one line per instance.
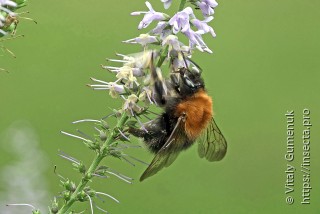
[265, 62]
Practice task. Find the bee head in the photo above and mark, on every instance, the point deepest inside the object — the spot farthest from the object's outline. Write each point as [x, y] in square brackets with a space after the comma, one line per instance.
[190, 81]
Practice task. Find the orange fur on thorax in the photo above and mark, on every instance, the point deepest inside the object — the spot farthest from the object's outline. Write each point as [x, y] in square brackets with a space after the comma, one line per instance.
[198, 110]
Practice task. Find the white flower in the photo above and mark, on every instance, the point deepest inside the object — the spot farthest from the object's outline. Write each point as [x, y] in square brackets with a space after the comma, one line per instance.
[149, 16]
[143, 40]
[173, 42]
[114, 88]
[203, 27]
[138, 72]
[131, 106]
[166, 3]
[136, 61]
[206, 7]
[159, 28]
[146, 95]
[196, 40]
[180, 21]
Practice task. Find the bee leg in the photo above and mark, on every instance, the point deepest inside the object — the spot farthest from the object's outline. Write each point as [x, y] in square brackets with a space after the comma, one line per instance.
[155, 134]
[175, 82]
[160, 86]
[137, 132]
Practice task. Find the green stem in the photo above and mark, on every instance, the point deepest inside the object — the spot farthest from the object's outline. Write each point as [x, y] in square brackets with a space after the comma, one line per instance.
[182, 4]
[94, 165]
[163, 56]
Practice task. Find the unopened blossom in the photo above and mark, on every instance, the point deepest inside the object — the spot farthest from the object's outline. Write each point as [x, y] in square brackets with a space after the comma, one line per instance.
[149, 16]
[206, 7]
[180, 21]
[166, 3]
[143, 40]
[203, 26]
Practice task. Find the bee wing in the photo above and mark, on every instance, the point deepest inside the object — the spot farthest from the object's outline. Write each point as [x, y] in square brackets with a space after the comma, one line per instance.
[160, 161]
[166, 155]
[212, 145]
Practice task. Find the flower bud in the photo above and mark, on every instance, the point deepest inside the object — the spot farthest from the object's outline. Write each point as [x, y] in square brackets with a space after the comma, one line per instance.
[80, 167]
[88, 176]
[54, 206]
[91, 193]
[105, 125]
[82, 196]
[66, 195]
[102, 135]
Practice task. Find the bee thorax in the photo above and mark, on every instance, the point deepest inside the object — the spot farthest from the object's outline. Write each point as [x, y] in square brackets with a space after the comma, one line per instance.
[198, 113]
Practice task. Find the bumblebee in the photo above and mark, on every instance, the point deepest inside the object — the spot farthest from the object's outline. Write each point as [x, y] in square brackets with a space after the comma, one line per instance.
[187, 118]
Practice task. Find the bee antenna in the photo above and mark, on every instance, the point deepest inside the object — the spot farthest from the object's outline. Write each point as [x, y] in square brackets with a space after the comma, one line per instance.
[185, 61]
[194, 63]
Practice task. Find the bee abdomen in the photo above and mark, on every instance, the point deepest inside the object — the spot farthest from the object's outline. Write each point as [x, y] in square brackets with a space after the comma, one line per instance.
[154, 133]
